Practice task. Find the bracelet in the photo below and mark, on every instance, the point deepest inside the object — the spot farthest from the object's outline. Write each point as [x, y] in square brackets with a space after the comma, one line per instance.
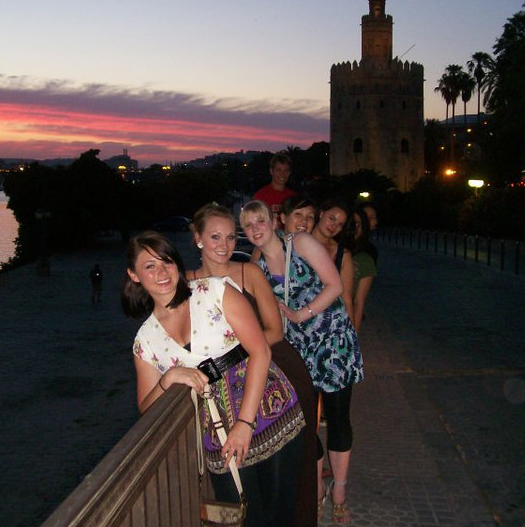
[160, 384]
[252, 425]
[312, 314]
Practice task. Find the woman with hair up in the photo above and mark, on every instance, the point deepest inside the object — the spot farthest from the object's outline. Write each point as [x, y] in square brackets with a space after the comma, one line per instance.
[214, 234]
[320, 329]
[331, 230]
[297, 215]
[204, 331]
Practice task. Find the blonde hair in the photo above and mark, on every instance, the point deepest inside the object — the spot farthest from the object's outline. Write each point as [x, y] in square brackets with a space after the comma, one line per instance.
[210, 210]
[256, 207]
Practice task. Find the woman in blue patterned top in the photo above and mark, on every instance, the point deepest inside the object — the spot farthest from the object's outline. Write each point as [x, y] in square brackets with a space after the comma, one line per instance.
[319, 327]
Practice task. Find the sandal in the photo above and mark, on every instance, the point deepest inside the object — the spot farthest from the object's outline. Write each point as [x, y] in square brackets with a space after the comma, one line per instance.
[340, 511]
[321, 503]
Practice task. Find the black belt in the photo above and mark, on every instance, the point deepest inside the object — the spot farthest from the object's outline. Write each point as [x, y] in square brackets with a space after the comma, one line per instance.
[214, 368]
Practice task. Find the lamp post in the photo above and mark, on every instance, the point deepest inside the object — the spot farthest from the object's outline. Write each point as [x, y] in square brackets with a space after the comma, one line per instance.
[43, 267]
[476, 184]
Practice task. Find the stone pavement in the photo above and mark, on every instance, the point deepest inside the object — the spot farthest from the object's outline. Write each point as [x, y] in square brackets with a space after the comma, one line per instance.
[438, 422]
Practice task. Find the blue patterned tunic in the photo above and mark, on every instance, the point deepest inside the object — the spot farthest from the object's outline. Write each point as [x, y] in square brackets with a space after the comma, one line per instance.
[328, 341]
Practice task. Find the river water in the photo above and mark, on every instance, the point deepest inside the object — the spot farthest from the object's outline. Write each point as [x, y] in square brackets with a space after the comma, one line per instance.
[8, 230]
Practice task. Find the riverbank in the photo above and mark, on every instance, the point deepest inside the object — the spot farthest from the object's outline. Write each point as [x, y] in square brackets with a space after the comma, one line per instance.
[68, 383]
[8, 230]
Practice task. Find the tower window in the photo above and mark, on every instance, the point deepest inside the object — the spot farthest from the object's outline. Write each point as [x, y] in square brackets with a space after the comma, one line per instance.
[358, 146]
[404, 104]
[381, 104]
[404, 146]
[358, 105]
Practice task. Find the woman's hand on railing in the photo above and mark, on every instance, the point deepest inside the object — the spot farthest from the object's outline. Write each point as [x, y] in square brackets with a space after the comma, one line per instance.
[191, 377]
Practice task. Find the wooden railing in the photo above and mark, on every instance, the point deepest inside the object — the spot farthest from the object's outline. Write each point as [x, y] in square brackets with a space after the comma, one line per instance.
[149, 479]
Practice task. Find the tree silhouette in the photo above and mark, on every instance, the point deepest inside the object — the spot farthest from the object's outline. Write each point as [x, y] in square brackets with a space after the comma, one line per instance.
[467, 84]
[449, 85]
[479, 66]
[505, 98]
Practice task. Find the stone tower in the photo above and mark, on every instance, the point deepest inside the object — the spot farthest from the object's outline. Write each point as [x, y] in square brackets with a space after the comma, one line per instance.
[376, 108]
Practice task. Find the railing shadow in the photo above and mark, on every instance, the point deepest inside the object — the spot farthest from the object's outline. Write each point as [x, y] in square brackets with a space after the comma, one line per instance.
[149, 479]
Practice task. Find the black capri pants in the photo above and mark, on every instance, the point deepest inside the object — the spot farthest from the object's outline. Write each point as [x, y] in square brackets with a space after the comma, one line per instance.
[336, 406]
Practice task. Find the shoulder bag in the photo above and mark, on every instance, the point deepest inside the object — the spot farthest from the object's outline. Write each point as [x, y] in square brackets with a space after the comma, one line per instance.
[218, 513]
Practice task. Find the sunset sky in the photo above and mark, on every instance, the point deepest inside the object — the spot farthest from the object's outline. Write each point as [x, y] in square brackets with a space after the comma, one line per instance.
[172, 80]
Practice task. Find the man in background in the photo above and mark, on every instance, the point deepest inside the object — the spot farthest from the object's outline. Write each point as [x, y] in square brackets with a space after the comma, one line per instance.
[276, 191]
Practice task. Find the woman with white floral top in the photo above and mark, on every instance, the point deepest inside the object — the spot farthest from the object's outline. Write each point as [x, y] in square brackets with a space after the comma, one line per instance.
[191, 325]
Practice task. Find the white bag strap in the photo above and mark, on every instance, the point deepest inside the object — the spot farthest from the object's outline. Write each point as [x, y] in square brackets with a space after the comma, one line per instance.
[221, 433]
[287, 258]
[200, 452]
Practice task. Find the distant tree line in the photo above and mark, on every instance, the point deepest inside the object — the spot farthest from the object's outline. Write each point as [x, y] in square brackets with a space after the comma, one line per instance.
[498, 154]
[66, 208]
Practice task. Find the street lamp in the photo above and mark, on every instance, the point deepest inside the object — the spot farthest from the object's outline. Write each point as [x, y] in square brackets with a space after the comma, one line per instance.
[43, 267]
[476, 184]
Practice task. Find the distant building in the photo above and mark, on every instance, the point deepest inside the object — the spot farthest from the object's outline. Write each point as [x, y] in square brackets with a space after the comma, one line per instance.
[221, 158]
[123, 162]
[376, 108]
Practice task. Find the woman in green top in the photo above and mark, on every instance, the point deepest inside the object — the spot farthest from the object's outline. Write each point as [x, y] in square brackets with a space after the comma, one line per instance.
[364, 265]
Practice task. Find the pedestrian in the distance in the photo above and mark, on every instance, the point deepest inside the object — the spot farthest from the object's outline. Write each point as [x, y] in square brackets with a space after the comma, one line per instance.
[96, 283]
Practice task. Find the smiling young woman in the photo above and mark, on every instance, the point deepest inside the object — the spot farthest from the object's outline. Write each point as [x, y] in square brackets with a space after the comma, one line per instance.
[318, 326]
[189, 324]
[214, 233]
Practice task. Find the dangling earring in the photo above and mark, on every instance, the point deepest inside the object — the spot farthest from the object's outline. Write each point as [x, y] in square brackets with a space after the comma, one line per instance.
[199, 245]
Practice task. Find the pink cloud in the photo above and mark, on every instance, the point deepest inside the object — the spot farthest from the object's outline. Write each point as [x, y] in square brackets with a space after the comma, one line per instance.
[59, 120]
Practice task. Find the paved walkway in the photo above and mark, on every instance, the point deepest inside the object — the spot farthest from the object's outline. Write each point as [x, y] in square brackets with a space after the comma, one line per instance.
[438, 421]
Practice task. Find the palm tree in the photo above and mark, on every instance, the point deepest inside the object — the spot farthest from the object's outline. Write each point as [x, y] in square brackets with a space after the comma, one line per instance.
[450, 88]
[467, 84]
[480, 65]
[453, 74]
[444, 90]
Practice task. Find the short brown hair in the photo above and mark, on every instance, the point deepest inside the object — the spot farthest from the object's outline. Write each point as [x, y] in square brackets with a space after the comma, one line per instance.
[282, 158]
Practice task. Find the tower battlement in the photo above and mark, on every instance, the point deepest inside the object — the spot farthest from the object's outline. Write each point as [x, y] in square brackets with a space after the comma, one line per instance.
[364, 68]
